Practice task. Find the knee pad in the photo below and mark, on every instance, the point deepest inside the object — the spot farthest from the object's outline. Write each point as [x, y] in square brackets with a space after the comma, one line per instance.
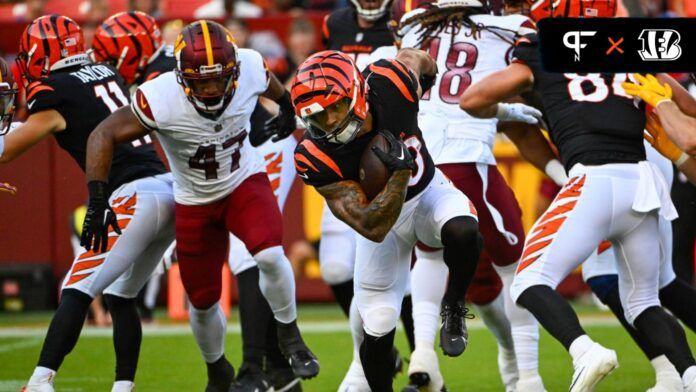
[380, 321]
[270, 257]
[335, 273]
[602, 285]
[462, 231]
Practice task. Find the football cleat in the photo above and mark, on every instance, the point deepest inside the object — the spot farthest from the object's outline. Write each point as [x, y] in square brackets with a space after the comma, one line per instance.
[251, 379]
[40, 384]
[303, 363]
[530, 384]
[355, 380]
[283, 379]
[123, 386]
[453, 334]
[220, 376]
[507, 366]
[424, 372]
[592, 366]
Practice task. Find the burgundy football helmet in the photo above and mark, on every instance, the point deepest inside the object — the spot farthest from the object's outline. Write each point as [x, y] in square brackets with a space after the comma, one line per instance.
[8, 94]
[207, 66]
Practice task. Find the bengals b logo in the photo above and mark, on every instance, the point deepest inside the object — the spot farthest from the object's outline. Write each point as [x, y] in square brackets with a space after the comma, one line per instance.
[660, 45]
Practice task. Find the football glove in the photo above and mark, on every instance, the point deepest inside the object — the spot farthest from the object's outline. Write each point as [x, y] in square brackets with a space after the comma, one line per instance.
[398, 157]
[95, 229]
[656, 136]
[5, 187]
[278, 127]
[518, 112]
[648, 89]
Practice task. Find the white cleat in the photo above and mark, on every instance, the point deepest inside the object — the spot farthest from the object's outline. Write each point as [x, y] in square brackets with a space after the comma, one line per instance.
[691, 386]
[530, 384]
[424, 371]
[595, 364]
[40, 384]
[355, 380]
[507, 366]
[123, 386]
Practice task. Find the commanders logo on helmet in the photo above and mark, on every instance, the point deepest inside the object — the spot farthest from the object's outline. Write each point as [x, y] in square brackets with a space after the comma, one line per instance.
[329, 78]
[127, 40]
[541, 9]
[207, 65]
[49, 42]
[8, 94]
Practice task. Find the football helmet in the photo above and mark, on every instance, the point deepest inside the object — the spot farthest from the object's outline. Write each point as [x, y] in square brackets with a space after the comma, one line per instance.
[330, 80]
[127, 40]
[49, 42]
[400, 8]
[371, 10]
[541, 9]
[206, 65]
[8, 94]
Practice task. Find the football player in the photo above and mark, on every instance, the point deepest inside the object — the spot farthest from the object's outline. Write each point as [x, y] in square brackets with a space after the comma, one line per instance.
[344, 110]
[8, 93]
[201, 113]
[613, 194]
[462, 147]
[67, 97]
[131, 41]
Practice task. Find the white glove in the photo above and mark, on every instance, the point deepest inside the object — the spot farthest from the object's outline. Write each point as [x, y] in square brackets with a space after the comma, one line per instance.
[554, 169]
[517, 112]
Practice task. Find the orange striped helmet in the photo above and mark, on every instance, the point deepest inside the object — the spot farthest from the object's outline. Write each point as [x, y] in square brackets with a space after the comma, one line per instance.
[541, 9]
[48, 42]
[8, 93]
[206, 65]
[127, 40]
[325, 79]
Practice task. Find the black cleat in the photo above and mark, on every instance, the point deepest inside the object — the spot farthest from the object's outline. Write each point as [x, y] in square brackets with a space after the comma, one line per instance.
[251, 379]
[220, 375]
[302, 362]
[416, 381]
[283, 379]
[453, 334]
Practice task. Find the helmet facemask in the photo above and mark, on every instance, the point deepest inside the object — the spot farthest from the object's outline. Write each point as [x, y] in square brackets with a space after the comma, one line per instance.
[8, 94]
[373, 14]
[211, 88]
[344, 131]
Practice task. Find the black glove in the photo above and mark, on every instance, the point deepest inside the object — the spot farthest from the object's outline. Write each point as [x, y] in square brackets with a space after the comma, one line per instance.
[427, 81]
[95, 229]
[278, 127]
[398, 157]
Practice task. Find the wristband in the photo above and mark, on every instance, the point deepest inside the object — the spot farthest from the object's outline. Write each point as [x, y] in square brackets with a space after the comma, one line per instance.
[2, 144]
[682, 158]
[554, 169]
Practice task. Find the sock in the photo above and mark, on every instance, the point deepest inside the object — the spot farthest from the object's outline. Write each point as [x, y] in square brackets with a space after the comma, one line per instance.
[277, 283]
[255, 317]
[378, 361]
[667, 336]
[689, 376]
[407, 321]
[613, 301]
[523, 326]
[428, 282]
[220, 373]
[493, 316]
[343, 292]
[580, 346]
[65, 328]
[663, 368]
[679, 298]
[462, 244]
[128, 335]
[553, 312]
[209, 327]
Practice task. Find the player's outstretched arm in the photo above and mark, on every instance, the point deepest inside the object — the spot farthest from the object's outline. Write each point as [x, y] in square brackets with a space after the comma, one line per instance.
[22, 138]
[681, 97]
[421, 64]
[373, 219]
[534, 148]
[283, 124]
[680, 127]
[482, 99]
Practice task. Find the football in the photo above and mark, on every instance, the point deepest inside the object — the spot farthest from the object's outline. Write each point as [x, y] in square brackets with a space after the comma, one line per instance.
[373, 174]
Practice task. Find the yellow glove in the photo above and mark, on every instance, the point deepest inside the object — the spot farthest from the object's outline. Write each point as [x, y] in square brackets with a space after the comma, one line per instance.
[648, 89]
[657, 137]
[5, 187]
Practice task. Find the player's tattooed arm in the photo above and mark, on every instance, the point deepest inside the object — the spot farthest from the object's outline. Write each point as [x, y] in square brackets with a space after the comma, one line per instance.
[38, 126]
[120, 127]
[372, 219]
[481, 99]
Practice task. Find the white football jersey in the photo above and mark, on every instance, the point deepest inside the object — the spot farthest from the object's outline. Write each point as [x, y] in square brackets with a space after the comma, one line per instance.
[209, 158]
[279, 158]
[452, 136]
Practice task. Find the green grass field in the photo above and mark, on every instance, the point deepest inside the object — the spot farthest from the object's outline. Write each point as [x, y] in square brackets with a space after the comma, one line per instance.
[170, 360]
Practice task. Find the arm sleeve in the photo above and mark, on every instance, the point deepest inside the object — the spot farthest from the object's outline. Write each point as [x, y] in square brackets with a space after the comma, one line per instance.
[312, 168]
[527, 51]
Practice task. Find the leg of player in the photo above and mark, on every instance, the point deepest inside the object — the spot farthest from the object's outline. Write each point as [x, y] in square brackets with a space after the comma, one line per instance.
[252, 214]
[575, 223]
[337, 258]
[428, 281]
[202, 251]
[354, 380]
[143, 208]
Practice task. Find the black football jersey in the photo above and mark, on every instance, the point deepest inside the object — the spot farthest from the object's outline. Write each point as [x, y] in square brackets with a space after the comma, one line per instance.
[85, 95]
[341, 32]
[592, 120]
[163, 62]
[393, 103]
